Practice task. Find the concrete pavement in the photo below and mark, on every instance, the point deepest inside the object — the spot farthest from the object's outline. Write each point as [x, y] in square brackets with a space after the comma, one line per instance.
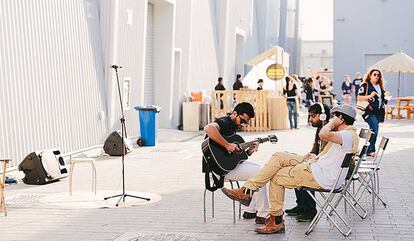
[172, 171]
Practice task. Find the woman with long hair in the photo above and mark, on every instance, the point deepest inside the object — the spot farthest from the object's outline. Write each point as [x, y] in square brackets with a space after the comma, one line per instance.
[291, 93]
[372, 90]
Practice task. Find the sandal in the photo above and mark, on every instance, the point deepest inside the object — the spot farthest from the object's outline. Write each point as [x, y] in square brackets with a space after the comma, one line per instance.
[371, 154]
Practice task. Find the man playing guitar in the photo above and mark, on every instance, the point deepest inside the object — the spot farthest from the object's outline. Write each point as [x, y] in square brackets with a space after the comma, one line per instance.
[227, 126]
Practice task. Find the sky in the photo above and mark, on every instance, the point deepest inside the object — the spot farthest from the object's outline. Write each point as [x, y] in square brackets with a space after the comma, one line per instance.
[316, 18]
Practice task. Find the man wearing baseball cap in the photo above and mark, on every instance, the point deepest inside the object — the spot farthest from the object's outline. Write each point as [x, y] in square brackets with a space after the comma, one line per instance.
[288, 170]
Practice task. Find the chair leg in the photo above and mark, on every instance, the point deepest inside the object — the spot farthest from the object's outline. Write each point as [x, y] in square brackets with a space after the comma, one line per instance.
[212, 204]
[234, 205]
[204, 204]
[323, 210]
[94, 178]
[238, 186]
[72, 166]
[4, 206]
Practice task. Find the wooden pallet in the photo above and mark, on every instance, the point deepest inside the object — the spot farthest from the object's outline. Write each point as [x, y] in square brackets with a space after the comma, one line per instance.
[223, 102]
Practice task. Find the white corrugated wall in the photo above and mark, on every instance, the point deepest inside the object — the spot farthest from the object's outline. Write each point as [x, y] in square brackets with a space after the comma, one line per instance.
[51, 76]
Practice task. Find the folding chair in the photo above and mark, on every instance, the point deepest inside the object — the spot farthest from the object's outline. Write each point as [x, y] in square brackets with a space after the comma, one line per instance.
[345, 194]
[212, 202]
[368, 175]
[327, 200]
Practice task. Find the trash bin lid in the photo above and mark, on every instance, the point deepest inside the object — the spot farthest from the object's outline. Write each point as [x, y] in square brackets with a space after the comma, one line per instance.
[154, 108]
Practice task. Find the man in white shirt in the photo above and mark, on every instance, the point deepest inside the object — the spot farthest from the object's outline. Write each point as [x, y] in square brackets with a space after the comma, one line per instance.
[288, 170]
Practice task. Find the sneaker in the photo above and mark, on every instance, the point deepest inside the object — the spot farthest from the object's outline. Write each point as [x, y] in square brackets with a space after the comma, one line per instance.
[305, 217]
[247, 215]
[271, 226]
[239, 195]
[294, 211]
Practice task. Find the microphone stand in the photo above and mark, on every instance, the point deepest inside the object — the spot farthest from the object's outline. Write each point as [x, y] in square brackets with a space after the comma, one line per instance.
[123, 195]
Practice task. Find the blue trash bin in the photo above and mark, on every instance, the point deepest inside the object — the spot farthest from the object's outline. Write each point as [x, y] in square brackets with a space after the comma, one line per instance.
[148, 122]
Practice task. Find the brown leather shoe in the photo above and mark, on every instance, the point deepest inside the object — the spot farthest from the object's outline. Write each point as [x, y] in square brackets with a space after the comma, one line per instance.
[260, 220]
[238, 195]
[271, 226]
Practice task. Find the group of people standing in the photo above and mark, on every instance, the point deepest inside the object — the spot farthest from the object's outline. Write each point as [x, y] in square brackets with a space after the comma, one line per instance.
[237, 84]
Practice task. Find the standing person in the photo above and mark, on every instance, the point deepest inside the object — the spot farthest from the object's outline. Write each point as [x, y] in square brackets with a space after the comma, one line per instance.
[372, 90]
[299, 86]
[260, 83]
[356, 83]
[288, 170]
[316, 87]
[237, 84]
[220, 86]
[227, 126]
[347, 89]
[305, 209]
[291, 93]
[309, 91]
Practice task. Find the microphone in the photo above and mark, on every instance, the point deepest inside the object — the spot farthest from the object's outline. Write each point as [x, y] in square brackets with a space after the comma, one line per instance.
[116, 66]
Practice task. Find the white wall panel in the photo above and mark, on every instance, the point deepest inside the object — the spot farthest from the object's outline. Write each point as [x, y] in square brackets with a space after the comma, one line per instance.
[51, 76]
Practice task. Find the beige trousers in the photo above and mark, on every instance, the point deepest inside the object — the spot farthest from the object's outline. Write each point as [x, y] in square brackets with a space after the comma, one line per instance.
[283, 170]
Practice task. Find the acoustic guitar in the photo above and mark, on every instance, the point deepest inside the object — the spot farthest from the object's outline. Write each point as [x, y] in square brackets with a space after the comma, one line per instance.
[222, 161]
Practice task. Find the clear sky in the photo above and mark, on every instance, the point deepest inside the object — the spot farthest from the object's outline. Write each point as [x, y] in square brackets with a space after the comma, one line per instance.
[316, 17]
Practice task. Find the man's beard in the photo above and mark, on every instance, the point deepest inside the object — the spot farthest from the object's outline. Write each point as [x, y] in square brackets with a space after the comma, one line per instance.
[317, 124]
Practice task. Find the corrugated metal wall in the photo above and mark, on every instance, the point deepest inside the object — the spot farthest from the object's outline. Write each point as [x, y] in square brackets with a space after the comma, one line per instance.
[51, 76]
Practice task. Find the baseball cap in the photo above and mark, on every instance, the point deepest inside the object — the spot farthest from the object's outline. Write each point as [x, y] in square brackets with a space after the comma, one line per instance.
[345, 109]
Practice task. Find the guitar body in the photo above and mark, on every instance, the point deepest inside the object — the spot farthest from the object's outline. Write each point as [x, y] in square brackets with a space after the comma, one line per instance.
[218, 158]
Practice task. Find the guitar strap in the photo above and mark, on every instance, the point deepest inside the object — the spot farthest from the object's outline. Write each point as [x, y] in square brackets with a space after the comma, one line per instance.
[217, 182]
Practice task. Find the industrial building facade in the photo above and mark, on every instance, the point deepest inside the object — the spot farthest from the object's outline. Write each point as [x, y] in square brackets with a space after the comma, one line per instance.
[366, 32]
[58, 90]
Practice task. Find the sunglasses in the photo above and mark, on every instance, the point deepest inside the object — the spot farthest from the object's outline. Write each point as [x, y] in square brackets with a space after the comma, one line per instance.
[376, 74]
[337, 114]
[243, 121]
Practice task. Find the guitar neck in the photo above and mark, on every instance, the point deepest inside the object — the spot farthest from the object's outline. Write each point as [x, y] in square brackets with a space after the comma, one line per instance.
[246, 145]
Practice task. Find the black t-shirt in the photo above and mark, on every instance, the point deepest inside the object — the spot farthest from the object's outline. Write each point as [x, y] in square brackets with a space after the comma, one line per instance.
[237, 85]
[227, 126]
[260, 88]
[309, 92]
[357, 83]
[219, 87]
[291, 93]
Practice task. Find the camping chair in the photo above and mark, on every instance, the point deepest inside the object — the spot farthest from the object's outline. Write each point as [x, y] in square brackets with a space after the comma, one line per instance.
[212, 202]
[368, 175]
[328, 198]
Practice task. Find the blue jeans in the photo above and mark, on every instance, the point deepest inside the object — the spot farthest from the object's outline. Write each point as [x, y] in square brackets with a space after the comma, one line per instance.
[292, 113]
[373, 123]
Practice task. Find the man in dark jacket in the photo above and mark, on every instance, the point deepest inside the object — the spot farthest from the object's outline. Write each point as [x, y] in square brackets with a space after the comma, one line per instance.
[237, 84]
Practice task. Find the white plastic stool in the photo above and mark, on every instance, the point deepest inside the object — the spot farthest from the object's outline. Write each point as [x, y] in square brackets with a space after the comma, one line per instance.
[82, 160]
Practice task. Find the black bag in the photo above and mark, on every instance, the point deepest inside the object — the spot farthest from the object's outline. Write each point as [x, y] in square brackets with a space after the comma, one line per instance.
[218, 181]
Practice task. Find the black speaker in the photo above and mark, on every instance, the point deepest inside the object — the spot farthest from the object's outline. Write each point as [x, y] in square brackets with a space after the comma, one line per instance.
[112, 145]
[43, 167]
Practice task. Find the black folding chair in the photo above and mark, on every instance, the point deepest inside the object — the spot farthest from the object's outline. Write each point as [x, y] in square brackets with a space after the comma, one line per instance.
[212, 202]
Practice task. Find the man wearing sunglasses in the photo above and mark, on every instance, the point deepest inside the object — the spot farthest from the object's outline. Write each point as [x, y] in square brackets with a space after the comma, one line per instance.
[227, 126]
[288, 170]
